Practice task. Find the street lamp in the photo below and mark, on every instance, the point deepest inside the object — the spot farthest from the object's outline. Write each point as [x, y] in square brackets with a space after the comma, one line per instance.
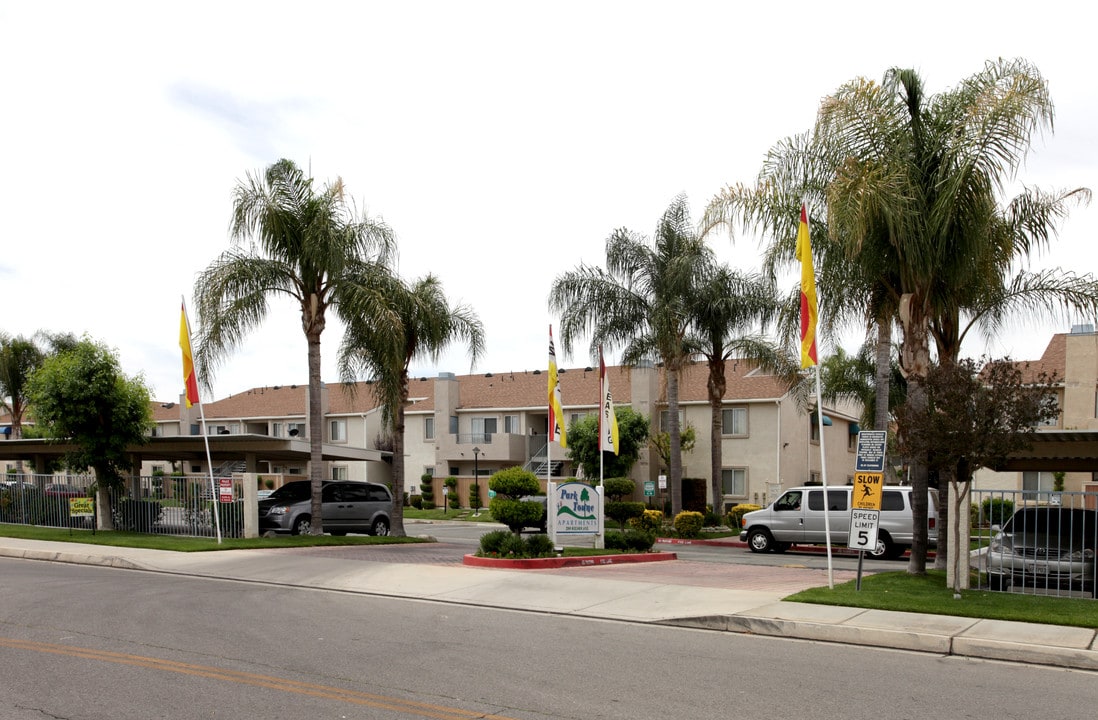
[476, 479]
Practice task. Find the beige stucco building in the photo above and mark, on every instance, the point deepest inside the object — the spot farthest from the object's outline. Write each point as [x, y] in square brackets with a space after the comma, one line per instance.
[768, 441]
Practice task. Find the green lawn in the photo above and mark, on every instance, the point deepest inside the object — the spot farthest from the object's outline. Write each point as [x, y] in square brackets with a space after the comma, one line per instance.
[929, 594]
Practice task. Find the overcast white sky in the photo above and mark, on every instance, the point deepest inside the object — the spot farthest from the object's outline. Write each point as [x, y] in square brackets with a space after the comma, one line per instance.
[503, 142]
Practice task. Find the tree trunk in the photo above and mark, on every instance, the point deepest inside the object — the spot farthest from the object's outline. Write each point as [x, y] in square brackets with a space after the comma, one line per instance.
[716, 387]
[396, 515]
[957, 576]
[915, 360]
[316, 434]
[674, 436]
[883, 374]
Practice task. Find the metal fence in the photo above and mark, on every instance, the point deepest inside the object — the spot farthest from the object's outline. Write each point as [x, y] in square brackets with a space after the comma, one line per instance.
[167, 505]
[1039, 543]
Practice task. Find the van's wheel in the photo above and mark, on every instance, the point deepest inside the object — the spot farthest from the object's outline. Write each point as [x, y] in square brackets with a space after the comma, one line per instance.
[380, 527]
[780, 547]
[302, 525]
[759, 541]
[885, 548]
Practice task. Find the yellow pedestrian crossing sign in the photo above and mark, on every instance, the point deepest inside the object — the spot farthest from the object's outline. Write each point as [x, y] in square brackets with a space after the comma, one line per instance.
[868, 490]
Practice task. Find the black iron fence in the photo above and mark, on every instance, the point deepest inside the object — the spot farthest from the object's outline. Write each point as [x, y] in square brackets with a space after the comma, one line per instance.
[168, 505]
[1036, 542]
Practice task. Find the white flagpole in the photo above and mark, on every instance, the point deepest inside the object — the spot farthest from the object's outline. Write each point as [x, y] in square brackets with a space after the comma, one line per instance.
[205, 437]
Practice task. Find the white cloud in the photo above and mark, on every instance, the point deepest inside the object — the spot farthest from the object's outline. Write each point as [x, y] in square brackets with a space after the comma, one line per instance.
[503, 142]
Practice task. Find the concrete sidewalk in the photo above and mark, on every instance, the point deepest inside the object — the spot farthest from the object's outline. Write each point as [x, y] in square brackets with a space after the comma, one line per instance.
[658, 595]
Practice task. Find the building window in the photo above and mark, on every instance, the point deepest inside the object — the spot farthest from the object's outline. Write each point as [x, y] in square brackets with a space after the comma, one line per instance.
[454, 470]
[734, 421]
[339, 472]
[814, 433]
[574, 418]
[295, 429]
[276, 429]
[511, 424]
[337, 431]
[429, 470]
[1036, 481]
[196, 469]
[1055, 419]
[483, 429]
[852, 441]
[734, 481]
[453, 424]
[428, 428]
[665, 420]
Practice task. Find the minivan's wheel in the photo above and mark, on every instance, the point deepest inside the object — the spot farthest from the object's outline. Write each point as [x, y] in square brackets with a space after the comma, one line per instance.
[759, 541]
[380, 527]
[302, 526]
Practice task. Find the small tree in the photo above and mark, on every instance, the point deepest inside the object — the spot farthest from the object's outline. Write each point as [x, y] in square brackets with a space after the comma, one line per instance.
[511, 485]
[617, 508]
[427, 491]
[583, 443]
[661, 442]
[81, 396]
[452, 499]
[973, 417]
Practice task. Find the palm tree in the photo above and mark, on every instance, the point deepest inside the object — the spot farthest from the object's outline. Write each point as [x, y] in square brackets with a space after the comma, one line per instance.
[390, 324]
[916, 192]
[913, 225]
[303, 244]
[727, 306]
[19, 358]
[641, 302]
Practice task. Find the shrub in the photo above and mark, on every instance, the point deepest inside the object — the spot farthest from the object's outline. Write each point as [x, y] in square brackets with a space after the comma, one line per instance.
[490, 543]
[540, 546]
[622, 512]
[712, 519]
[736, 513]
[511, 484]
[427, 490]
[636, 541]
[997, 510]
[416, 501]
[650, 521]
[618, 488]
[688, 523]
[474, 496]
[452, 499]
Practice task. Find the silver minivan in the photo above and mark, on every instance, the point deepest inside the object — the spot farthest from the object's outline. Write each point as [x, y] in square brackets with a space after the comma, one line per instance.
[346, 506]
[797, 517]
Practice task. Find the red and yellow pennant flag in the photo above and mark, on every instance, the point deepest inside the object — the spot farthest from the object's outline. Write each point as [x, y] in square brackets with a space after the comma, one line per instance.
[608, 421]
[556, 414]
[808, 293]
[190, 379]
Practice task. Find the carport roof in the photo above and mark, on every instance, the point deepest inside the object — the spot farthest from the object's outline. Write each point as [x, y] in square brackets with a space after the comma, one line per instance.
[223, 448]
[1052, 450]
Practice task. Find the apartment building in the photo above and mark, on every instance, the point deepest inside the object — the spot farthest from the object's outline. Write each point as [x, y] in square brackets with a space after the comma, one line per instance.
[1068, 443]
[470, 426]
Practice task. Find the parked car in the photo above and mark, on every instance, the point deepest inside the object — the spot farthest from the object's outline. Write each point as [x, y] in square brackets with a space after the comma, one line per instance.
[358, 507]
[797, 517]
[1046, 547]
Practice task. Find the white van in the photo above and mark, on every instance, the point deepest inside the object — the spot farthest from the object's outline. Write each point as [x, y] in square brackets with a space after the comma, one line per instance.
[796, 517]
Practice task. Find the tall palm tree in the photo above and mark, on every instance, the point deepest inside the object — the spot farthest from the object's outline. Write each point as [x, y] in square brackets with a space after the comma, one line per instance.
[728, 308]
[929, 170]
[911, 184]
[640, 303]
[390, 324]
[303, 244]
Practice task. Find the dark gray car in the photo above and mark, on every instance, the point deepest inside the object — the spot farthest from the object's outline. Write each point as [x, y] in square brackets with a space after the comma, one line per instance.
[358, 507]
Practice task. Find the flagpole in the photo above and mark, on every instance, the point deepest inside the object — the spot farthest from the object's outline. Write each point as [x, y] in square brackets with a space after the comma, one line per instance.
[205, 435]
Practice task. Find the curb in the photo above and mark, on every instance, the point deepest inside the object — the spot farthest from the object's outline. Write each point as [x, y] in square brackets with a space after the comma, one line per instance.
[845, 551]
[565, 562]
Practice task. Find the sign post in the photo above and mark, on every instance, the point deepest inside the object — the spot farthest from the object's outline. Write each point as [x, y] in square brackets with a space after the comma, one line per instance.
[865, 498]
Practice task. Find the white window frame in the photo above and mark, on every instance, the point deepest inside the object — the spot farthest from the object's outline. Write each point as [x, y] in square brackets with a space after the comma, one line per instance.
[511, 424]
[340, 472]
[739, 417]
[734, 471]
[429, 428]
[337, 431]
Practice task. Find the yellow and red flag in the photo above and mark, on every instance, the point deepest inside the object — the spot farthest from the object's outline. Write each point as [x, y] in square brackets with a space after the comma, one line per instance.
[808, 293]
[190, 379]
[608, 421]
[556, 414]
